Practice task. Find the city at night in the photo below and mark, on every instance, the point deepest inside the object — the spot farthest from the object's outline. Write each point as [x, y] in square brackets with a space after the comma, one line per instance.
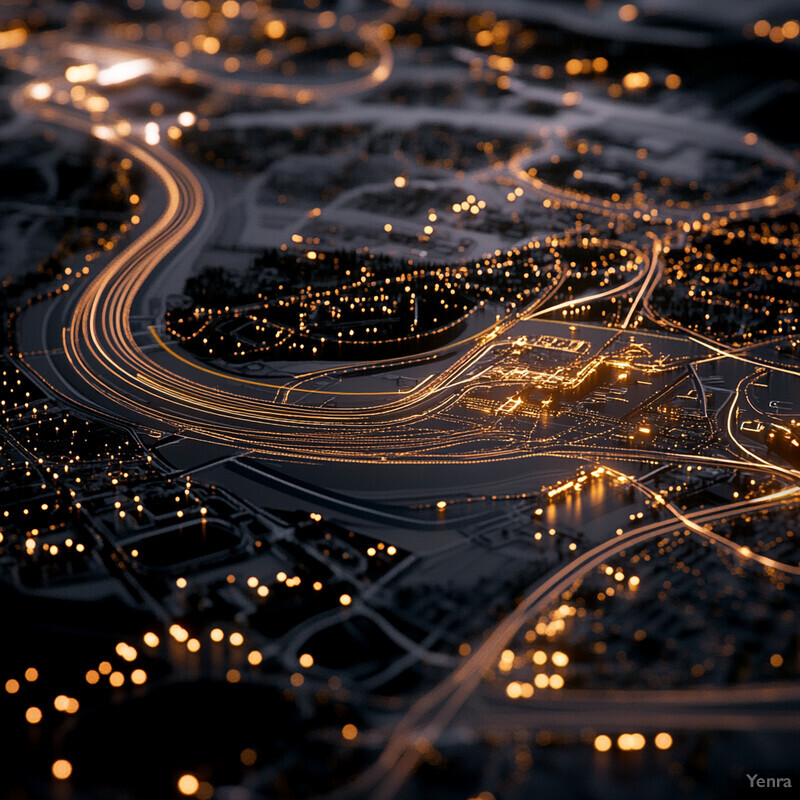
[400, 399]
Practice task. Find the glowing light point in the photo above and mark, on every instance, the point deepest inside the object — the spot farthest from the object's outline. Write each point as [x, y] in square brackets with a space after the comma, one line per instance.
[188, 784]
[349, 731]
[152, 133]
[40, 91]
[602, 743]
[663, 741]
[61, 769]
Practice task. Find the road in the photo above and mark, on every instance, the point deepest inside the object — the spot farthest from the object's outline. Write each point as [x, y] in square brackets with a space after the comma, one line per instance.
[430, 715]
